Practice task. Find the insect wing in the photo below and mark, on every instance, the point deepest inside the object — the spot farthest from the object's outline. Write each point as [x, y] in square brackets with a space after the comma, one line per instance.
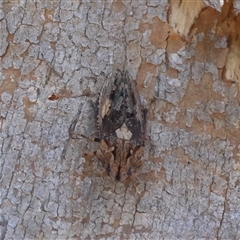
[135, 116]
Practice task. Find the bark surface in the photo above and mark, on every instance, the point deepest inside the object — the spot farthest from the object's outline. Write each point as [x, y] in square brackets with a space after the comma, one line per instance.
[55, 56]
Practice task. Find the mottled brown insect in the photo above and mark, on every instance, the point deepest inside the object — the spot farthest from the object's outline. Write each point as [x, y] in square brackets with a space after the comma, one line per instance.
[121, 125]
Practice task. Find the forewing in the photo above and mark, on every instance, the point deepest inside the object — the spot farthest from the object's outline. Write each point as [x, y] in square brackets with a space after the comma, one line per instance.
[135, 114]
[111, 106]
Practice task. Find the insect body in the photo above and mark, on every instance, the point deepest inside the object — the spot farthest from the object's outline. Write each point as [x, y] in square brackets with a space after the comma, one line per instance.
[121, 123]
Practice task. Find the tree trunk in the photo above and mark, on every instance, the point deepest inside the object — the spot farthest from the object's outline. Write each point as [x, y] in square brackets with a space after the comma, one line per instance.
[55, 57]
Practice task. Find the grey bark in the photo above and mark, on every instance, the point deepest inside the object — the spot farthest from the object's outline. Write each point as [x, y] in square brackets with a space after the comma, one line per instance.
[55, 56]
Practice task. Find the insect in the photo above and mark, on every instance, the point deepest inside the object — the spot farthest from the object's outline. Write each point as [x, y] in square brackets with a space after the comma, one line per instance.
[121, 126]
[121, 121]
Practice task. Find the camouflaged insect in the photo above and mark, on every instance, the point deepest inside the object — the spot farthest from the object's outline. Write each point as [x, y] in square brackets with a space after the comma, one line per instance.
[121, 125]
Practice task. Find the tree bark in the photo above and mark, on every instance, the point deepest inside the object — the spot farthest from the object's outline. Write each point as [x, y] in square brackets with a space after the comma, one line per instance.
[55, 57]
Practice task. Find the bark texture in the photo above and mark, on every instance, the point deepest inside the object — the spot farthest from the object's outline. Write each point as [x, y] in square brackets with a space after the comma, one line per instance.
[55, 56]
